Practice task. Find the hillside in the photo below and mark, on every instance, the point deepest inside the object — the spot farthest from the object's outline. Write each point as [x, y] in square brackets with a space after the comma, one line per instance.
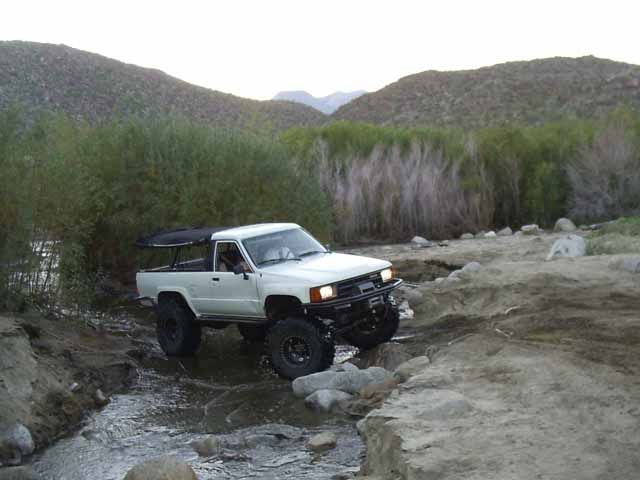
[327, 104]
[86, 85]
[516, 92]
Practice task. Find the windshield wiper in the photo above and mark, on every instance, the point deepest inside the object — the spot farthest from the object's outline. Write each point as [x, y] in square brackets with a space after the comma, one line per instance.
[278, 260]
[311, 252]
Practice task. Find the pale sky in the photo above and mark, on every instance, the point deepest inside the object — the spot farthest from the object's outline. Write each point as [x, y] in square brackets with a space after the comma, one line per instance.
[256, 48]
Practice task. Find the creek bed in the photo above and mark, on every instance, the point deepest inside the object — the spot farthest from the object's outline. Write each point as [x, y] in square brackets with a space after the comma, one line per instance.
[224, 390]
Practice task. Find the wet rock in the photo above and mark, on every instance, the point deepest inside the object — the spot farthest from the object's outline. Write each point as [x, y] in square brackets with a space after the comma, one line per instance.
[569, 246]
[505, 232]
[167, 467]
[472, 267]
[326, 400]
[439, 280]
[490, 234]
[75, 387]
[16, 442]
[467, 236]
[443, 243]
[100, 398]
[532, 229]
[344, 367]
[18, 473]
[387, 355]
[480, 234]
[349, 382]
[564, 225]
[411, 367]
[207, 447]
[322, 441]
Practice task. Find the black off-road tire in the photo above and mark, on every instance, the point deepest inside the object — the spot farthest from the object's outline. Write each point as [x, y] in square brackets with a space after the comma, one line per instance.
[253, 333]
[299, 346]
[379, 328]
[178, 334]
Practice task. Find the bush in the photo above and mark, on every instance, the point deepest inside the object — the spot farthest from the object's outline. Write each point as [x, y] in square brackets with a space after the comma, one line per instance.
[605, 177]
[76, 197]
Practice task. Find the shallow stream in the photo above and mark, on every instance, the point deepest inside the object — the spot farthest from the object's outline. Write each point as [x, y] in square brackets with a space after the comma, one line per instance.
[224, 390]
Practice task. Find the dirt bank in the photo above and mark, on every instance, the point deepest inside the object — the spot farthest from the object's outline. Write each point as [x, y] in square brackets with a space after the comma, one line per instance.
[533, 373]
[50, 371]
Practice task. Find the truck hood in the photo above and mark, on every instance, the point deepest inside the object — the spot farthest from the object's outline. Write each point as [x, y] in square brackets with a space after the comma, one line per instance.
[322, 269]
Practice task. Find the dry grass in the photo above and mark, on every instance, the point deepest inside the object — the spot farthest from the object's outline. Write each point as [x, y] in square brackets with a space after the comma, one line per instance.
[394, 195]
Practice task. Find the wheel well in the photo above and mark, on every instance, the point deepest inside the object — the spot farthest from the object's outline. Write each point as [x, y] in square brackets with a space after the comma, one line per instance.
[276, 305]
[165, 296]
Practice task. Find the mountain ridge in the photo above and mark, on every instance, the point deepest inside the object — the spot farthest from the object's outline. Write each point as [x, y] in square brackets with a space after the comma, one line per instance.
[520, 92]
[45, 77]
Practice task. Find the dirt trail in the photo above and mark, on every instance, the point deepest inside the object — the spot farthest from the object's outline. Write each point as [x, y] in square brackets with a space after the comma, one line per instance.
[534, 371]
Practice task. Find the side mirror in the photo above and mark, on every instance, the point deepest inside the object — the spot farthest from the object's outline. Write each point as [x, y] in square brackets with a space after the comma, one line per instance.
[238, 269]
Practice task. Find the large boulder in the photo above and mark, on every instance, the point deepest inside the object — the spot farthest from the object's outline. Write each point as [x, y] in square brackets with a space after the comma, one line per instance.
[387, 355]
[490, 234]
[18, 473]
[569, 246]
[326, 400]
[505, 232]
[467, 236]
[349, 382]
[162, 468]
[564, 225]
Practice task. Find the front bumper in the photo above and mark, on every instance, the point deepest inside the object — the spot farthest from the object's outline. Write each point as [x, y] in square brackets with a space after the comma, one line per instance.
[341, 304]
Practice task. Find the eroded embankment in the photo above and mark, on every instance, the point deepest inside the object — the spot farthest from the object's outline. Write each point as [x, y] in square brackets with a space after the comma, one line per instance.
[531, 371]
[51, 371]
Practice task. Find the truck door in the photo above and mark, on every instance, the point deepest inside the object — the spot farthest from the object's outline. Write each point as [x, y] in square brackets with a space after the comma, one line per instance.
[234, 294]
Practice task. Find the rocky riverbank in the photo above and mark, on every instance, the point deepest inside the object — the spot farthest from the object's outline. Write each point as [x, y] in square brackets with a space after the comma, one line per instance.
[52, 372]
[526, 368]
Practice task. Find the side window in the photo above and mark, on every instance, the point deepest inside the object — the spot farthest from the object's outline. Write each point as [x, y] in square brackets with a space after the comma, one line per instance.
[228, 255]
[195, 258]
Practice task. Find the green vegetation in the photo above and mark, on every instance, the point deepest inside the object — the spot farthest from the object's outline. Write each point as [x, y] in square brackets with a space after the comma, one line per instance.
[85, 192]
[619, 236]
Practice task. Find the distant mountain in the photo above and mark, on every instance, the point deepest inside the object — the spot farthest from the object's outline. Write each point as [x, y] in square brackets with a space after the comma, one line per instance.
[44, 77]
[327, 105]
[528, 92]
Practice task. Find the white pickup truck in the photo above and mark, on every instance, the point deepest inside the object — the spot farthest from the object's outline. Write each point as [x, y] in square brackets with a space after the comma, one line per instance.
[276, 282]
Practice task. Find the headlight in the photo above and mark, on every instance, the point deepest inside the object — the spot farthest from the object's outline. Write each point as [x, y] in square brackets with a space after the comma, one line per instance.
[318, 294]
[386, 274]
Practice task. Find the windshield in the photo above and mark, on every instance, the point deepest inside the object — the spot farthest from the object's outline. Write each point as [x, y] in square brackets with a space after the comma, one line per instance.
[282, 246]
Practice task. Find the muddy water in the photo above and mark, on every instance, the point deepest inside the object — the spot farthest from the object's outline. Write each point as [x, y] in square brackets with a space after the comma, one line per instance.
[224, 390]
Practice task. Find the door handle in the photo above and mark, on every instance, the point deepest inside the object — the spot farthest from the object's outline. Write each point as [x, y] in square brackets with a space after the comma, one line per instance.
[215, 279]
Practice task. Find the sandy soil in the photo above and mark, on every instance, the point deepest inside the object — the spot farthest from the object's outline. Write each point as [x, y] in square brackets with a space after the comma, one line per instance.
[531, 368]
